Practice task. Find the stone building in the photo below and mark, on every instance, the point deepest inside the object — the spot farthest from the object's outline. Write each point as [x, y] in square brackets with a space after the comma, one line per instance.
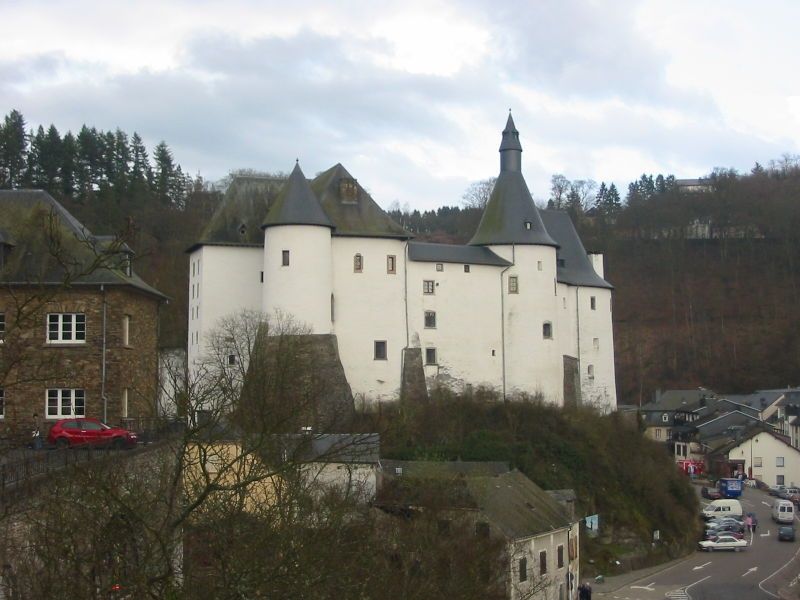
[79, 328]
[521, 309]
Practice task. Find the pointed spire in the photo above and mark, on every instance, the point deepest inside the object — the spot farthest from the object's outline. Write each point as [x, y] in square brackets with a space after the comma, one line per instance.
[510, 148]
[297, 204]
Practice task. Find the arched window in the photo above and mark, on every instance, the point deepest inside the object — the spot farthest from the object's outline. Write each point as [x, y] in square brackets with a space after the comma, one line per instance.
[358, 263]
[547, 330]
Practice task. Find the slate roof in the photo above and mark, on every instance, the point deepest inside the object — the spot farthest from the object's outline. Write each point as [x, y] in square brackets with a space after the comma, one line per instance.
[510, 206]
[363, 448]
[358, 215]
[26, 217]
[296, 204]
[451, 253]
[686, 400]
[577, 269]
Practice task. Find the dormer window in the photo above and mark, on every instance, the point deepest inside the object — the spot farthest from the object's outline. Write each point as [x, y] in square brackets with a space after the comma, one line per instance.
[528, 225]
[348, 190]
[242, 229]
[127, 264]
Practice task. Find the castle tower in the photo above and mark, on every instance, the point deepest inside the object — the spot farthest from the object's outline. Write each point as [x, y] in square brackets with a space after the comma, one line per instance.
[297, 256]
[512, 228]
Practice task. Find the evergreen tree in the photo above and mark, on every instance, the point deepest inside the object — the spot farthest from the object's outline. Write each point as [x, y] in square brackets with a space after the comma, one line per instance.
[612, 201]
[141, 173]
[33, 170]
[87, 168]
[661, 186]
[164, 176]
[600, 197]
[51, 158]
[69, 158]
[122, 162]
[13, 150]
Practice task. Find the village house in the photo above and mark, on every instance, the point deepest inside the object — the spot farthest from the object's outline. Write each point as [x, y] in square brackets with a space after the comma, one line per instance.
[541, 537]
[78, 327]
[520, 310]
[761, 454]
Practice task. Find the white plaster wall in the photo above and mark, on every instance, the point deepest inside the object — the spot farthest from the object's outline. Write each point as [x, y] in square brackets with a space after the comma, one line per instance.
[533, 364]
[223, 280]
[370, 306]
[567, 331]
[530, 549]
[302, 289]
[768, 448]
[595, 324]
[467, 336]
[357, 480]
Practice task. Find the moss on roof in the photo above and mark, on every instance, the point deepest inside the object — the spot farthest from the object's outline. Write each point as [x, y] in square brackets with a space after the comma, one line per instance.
[296, 204]
[358, 215]
[53, 248]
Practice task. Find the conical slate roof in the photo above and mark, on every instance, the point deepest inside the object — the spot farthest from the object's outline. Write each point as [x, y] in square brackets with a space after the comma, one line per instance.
[510, 216]
[350, 207]
[297, 204]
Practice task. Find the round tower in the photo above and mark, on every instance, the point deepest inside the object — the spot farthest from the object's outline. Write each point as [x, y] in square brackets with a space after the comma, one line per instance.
[297, 257]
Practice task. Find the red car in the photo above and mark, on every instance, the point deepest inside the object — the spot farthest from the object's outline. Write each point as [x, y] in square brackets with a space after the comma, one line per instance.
[68, 433]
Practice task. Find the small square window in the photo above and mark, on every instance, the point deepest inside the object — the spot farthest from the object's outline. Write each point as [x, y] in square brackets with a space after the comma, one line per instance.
[430, 356]
[430, 319]
[285, 258]
[466, 268]
[513, 285]
[779, 461]
[428, 286]
[593, 302]
[528, 225]
[391, 264]
[440, 266]
[380, 350]
[231, 359]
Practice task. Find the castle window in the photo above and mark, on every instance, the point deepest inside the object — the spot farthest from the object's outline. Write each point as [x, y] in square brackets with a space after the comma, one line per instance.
[358, 263]
[591, 371]
[380, 349]
[231, 359]
[430, 319]
[593, 303]
[126, 330]
[466, 268]
[348, 190]
[391, 264]
[285, 258]
[538, 265]
[564, 302]
[547, 330]
[528, 225]
[428, 286]
[543, 562]
[63, 403]
[430, 356]
[66, 328]
[596, 343]
[560, 556]
[333, 309]
[513, 285]
[440, 266]
[262, 276]
[523, 569]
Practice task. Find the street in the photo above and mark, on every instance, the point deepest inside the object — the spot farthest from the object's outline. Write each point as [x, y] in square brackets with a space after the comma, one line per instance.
[757, 572]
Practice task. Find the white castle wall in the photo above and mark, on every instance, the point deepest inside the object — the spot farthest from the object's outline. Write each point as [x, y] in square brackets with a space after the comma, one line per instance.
[534, 364]
[223, 280]
[596, 347]
[302, 288]
[370, 306]
[467, 336]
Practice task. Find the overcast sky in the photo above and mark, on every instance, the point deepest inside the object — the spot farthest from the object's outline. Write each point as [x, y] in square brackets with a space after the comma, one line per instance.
[411, 96]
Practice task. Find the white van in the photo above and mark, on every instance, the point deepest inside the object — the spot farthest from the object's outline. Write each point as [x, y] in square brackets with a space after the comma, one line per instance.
[783, 511]
[723, 508]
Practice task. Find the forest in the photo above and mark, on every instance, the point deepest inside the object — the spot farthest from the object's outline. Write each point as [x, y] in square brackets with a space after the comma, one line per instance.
[705, 276]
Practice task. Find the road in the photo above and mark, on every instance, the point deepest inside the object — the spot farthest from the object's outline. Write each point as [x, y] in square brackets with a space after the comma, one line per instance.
[756, 573]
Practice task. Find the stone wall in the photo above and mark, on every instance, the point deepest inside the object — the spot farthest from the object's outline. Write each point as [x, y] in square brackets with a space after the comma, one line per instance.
[29, 365]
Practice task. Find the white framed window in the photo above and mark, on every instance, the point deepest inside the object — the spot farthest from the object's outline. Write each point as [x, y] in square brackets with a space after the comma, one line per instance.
[126, 330]
[428, 286]
[391, 264]
[2, 403]
[380, 350]
[124, 411]
[66, 328]
[430, 356]
[778, 461]
[665, 417]
[430, 319]
[65, 402]
[358, 263]
[547, 330]
[513, 285]
[658, 433]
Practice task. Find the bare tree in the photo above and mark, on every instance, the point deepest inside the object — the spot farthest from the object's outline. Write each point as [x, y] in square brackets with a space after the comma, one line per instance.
[478, 193]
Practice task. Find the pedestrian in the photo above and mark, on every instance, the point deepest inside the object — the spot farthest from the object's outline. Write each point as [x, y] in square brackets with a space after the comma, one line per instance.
[36, 434]
[748, 521]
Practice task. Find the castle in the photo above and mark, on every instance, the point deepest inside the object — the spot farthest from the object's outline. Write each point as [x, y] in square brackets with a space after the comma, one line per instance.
[521, 309]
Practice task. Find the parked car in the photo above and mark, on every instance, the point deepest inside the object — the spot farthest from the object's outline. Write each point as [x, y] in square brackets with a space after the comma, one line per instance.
[787, 493]
[710, 493]
[776, 490]
[786, 533]
[68, 433]
[725, 530]
[723, 542]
